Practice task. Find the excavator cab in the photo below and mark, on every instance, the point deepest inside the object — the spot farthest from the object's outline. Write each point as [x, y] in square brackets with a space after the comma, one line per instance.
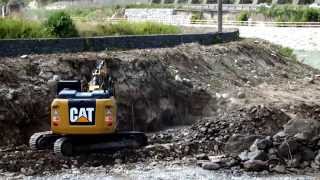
[85, 121]
[68, 84]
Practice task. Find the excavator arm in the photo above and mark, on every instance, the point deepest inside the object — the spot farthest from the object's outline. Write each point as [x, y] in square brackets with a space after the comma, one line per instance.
[101, 78]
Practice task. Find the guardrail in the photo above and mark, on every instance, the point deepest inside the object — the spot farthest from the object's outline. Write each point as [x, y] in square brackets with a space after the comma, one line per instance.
[258, 23]
[225, 7]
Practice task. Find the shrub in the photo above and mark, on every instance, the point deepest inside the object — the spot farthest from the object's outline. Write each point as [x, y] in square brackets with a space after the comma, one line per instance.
[17, 28]
[4, 1]
[311, 15]
[95, 13]
[196, 16]
[60, 24]
[291, 13]
[243, 16]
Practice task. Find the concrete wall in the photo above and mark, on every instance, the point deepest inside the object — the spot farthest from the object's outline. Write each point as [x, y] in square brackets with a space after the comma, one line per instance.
[167, 16]
[44, 46]
[121, 2]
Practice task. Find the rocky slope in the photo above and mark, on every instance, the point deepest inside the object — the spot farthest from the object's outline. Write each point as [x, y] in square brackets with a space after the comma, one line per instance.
[243, 101]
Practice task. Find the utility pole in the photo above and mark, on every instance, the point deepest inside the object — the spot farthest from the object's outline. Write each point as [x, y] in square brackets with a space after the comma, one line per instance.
[220, 16]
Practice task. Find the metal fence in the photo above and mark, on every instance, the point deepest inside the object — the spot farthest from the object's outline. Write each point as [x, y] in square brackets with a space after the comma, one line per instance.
[258, 23]
[225, 7]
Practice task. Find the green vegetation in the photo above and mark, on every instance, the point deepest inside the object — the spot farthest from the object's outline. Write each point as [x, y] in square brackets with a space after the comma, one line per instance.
[196, 16]
[291, 13]
[3, 1]
[92, 13]
[17, 28]
[287, 52]
[60, 24]
[127, 28]
[311, 15]
[86, 13]
[243, 16]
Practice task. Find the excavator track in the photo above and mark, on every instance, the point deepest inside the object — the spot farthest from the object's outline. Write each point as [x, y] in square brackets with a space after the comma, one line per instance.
[42, 140]
[63, 147]
[75, 145]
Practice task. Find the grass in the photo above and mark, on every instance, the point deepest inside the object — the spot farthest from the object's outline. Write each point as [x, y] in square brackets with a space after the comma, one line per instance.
[95, 13]
[92, 13]
[287, 52]
[291, 13]
[17, 28]
[126, 28]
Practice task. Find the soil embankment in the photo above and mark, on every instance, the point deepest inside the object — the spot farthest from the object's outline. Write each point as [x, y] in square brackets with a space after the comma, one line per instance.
[241, 99]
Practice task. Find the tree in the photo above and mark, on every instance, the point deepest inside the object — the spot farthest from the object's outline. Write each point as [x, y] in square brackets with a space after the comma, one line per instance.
[60, 24]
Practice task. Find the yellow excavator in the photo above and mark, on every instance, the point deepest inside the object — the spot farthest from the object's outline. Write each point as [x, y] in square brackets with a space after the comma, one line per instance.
[83, 122]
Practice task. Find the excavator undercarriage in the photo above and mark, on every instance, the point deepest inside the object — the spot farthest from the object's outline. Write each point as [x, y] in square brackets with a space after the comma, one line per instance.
[83, 144]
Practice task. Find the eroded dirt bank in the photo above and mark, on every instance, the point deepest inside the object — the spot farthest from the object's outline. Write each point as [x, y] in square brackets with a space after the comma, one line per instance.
[242, 100]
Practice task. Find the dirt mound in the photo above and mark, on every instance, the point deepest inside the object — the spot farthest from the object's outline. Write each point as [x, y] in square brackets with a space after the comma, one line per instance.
[176, 86]
[156, 88]
[26, 91]
[238, 93]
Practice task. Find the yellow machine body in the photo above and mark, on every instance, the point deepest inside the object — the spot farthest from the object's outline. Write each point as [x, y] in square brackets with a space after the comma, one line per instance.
[104, 122]
[85, 119]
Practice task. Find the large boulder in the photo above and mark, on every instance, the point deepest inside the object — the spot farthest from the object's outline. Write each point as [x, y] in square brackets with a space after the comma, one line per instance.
[255, 165]
[305, 129]
[238, 143]
[255, 155]
[288, 148]
[211, 166]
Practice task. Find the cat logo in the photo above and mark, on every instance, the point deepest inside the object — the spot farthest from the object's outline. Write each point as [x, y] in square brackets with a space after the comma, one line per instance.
[81, 115]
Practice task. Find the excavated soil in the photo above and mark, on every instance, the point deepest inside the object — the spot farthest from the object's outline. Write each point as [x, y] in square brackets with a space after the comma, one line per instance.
[222, 100]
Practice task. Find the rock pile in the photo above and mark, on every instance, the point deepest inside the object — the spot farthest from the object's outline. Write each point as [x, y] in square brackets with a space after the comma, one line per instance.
[294, 149]
[258, 119]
